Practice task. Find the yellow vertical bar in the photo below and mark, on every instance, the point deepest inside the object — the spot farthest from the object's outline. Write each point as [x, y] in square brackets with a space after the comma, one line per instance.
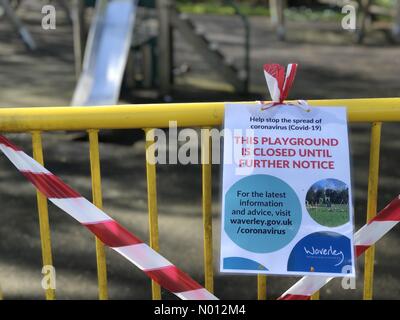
[98, 202]
[261, 287]
[152, 202]
[44, 225]
[1, 294]
[206, 205]
[315, 296]
[373, 178]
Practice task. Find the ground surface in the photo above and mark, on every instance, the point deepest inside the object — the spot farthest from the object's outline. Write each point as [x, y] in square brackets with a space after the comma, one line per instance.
[330, 67]
[334, 216]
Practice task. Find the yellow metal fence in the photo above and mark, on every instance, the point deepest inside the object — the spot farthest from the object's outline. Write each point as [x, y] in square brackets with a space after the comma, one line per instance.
[205, 115]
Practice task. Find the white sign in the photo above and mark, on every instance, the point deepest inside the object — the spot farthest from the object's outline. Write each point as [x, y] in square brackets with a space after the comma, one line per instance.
[286, 206]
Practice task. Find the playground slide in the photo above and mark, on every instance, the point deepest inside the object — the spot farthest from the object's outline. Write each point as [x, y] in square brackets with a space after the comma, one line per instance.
[106, 53]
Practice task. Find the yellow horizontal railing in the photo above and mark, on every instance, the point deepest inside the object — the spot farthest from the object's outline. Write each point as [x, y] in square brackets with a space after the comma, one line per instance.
[158, 115]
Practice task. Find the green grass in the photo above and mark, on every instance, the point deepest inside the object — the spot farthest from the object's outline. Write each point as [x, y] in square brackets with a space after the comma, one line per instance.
[221, 9]
[385, 3]
[292, 14]
[334, 216]
[299, 14]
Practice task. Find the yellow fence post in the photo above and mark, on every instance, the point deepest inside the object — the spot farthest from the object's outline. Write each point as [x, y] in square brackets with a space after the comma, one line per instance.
[315, 296]
[261, 287]
[373, 178]
[44, 225]
[98, 202]
[152, 202]
[206, 166]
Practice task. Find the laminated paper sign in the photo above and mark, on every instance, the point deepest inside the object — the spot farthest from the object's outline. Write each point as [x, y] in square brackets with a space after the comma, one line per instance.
[286, 206]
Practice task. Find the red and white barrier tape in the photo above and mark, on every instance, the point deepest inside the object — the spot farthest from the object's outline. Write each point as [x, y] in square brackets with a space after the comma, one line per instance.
[279, 84]
[104, 227]
[149, 261]
[364, 238]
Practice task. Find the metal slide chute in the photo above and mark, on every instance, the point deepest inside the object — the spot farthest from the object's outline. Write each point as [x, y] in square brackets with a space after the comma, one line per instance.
[106, 53]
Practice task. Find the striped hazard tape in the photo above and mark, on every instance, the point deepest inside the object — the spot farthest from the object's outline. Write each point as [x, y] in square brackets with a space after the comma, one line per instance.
[278, 82]
[364, 238]
[110, 232]
[149, 261]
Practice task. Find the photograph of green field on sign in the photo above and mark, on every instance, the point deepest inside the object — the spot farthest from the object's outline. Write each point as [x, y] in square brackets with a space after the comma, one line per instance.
[327, 202]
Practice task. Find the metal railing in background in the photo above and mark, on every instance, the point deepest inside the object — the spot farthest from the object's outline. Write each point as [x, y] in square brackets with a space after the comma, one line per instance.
[205, 115]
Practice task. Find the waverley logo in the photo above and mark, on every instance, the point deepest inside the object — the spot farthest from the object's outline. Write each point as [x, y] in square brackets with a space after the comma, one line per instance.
[325, 253]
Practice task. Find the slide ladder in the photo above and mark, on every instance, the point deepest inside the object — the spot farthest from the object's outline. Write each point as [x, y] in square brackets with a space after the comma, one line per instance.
[210, 51]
